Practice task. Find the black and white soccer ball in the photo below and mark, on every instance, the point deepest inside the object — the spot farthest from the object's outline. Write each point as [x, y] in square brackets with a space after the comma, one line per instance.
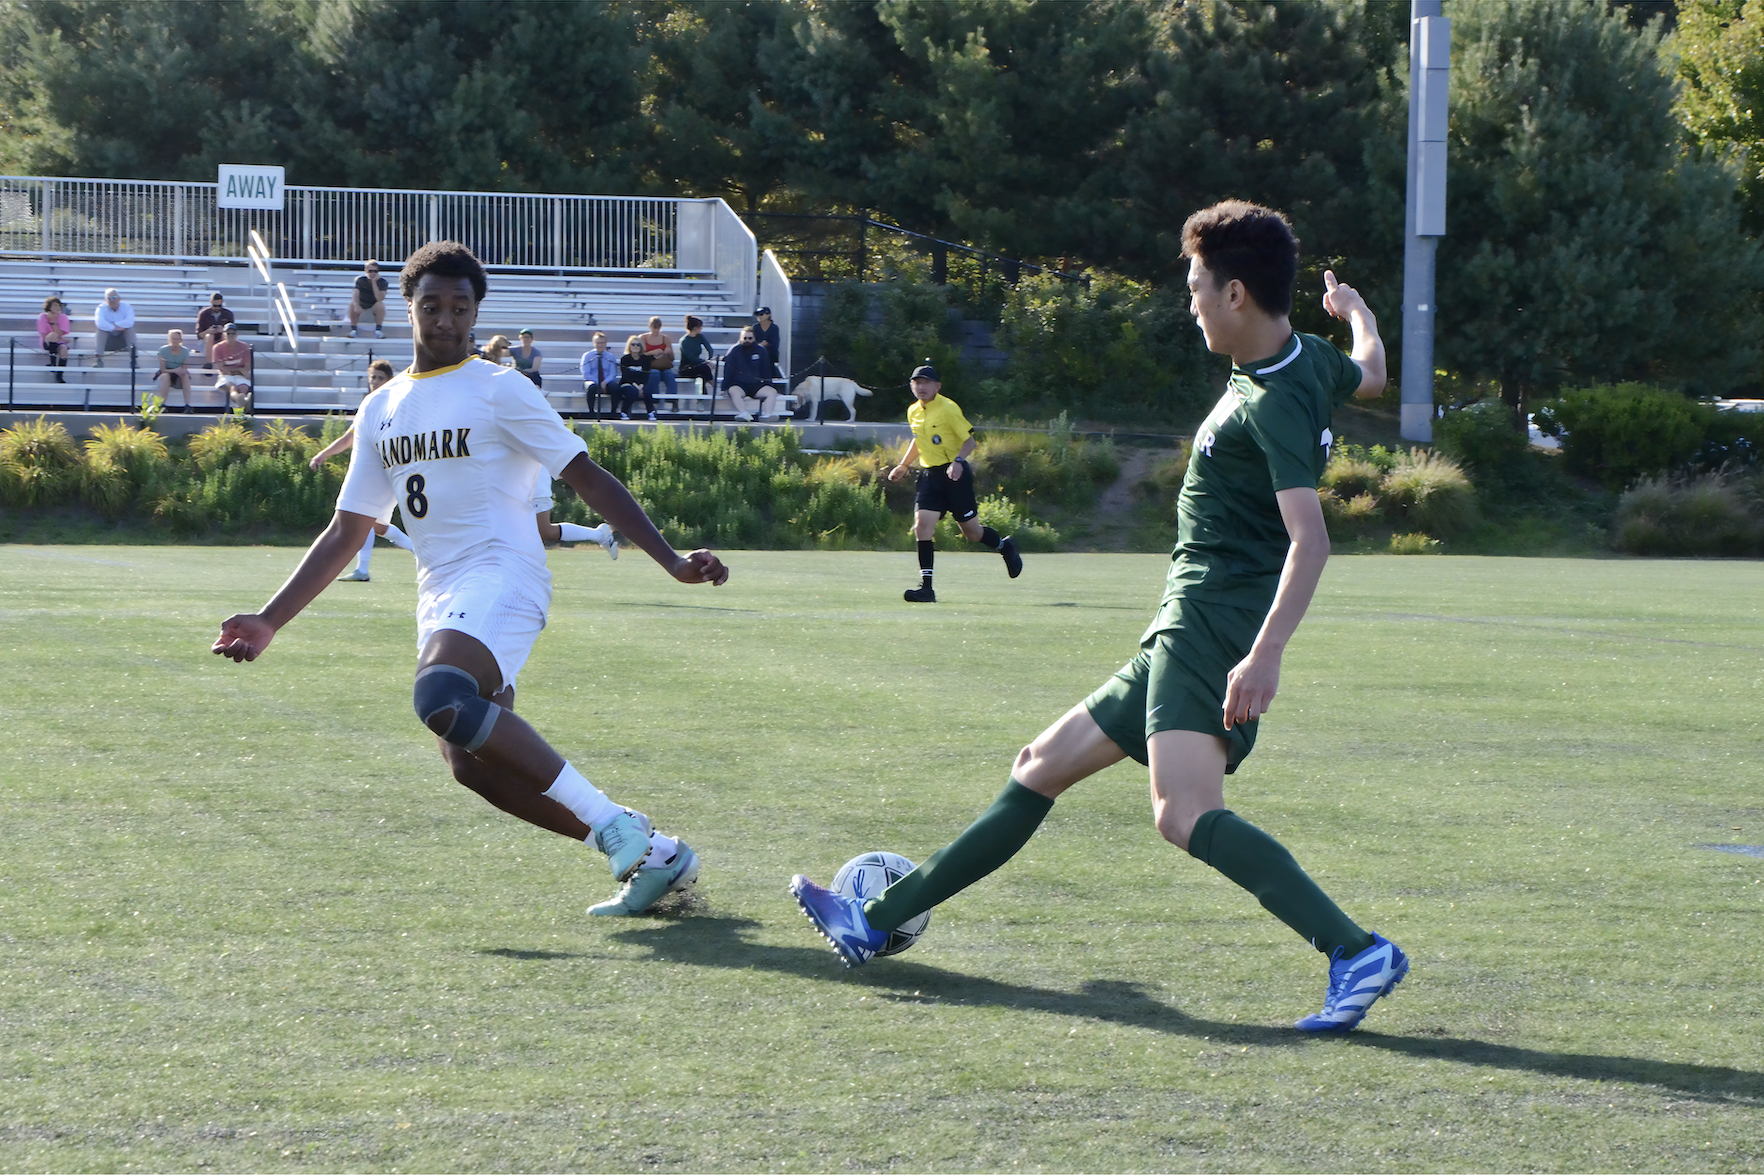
[869, 874]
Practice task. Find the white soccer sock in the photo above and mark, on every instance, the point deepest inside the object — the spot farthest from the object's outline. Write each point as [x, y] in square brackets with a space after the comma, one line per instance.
[367, 552]
[577, 533]
[398, 538]
[572, 790]
[661, 848]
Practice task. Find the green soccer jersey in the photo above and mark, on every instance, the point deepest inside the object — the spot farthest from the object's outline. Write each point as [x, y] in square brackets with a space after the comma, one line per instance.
[1269, 432]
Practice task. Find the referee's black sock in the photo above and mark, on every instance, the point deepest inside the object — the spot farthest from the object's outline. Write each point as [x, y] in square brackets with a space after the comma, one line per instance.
[927, 557]
[989, 538]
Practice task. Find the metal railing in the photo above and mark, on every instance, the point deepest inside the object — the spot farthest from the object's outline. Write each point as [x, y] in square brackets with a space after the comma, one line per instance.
[174, 220]
[774, 291]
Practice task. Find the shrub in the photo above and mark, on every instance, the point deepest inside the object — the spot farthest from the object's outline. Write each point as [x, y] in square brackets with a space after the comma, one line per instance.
[1483, 438]
[39, 464]
[1351, 477]
[1627, 431]
[224, 443]
[121, 462]
[1414, 543]
[1430, 491]
[281, 437]
[1708, 514]
[1348, 518]
[1050, 467]
[1115, 350]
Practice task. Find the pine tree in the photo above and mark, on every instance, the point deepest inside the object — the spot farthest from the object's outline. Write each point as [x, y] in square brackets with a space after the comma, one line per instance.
[1585, 243]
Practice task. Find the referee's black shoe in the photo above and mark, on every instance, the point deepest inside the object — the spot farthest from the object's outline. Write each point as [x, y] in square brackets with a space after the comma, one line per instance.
[1007, 547]
[920, 595]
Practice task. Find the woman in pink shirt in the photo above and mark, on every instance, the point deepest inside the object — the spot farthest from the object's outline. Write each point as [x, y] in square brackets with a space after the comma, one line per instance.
[54, 332]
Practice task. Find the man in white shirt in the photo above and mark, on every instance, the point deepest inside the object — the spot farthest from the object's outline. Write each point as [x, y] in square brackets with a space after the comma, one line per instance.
[116, 323]
[456, 443]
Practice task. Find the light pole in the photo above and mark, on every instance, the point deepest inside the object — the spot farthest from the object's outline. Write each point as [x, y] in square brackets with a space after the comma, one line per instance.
[1424, 207]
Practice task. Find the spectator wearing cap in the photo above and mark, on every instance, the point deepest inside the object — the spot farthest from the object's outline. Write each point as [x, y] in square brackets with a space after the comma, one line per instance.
[658, 349]
[527, 358]
[747, 378]
[115, 320]
[600, 373]
[232, 365]
[765, 333]
[369, 297]
[942, 441]
[211, 324]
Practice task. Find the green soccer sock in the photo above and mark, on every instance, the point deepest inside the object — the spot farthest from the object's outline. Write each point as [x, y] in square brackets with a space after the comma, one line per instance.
[1262, 866]
[983, 847]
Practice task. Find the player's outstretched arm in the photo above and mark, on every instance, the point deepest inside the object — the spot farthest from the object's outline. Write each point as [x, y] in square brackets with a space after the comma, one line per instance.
[244, 636]
[1253, 682]
[334, 448]
[608, 496]
[1344, 302]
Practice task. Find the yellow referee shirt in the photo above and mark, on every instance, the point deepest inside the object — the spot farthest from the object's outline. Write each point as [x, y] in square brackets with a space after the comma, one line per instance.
[940, 429]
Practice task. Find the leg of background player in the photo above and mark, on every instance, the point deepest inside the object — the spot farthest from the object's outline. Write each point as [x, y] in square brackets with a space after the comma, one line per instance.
[1188, 803]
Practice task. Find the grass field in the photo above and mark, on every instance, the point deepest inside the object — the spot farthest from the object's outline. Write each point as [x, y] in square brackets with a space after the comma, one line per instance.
[248, 924]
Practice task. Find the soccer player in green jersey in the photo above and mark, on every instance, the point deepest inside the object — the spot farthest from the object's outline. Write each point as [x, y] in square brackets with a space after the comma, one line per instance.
[1250, 547]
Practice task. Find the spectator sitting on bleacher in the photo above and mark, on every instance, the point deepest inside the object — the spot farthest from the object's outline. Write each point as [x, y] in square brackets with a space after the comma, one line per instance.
[116, 324]
[697, 355]
[368, 297]
[634, 379]
[660, 351]
[54, 333]
[765, 333]
[747, 378]
[232, 366]
[526, 358]
[210, 325]
[600, 374]
[174, 368]
[496, 351]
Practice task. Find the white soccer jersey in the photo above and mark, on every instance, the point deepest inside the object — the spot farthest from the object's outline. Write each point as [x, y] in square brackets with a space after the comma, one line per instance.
[458, 451]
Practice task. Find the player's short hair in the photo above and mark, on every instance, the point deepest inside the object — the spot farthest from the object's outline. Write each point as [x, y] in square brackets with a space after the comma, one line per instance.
[693, 322]
[1254, 245]
[444, 259]
[383, 366]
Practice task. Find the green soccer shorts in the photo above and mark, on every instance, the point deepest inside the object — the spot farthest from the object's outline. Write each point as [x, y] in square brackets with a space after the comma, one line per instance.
[1177, 681]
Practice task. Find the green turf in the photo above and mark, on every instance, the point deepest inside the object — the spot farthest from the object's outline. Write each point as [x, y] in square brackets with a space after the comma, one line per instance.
[248, 924]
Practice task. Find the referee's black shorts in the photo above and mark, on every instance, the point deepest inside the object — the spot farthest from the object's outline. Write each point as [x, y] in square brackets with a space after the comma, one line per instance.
[938, 492]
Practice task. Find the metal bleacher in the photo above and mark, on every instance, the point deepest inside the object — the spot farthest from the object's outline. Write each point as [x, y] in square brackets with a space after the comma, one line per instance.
[637, 257]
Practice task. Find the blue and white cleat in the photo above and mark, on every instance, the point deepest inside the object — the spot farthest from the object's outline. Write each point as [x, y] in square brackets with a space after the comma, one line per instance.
[1354, 984]
[840, 920]
[625, 842]
[649, 884]
[608, 540]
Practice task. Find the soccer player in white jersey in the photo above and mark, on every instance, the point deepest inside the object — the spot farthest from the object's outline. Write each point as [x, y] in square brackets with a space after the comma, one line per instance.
[456, 443]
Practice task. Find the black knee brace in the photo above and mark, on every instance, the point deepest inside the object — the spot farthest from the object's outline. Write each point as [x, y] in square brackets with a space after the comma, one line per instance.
[449, 688]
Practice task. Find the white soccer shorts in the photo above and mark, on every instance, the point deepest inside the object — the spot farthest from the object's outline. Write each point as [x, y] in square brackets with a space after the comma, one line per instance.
[491, 607]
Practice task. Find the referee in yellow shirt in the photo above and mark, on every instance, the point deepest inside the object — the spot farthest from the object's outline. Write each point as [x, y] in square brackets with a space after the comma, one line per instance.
[942, 441]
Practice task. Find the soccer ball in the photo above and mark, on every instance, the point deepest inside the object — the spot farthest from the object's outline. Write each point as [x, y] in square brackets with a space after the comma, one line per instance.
[869, 874]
